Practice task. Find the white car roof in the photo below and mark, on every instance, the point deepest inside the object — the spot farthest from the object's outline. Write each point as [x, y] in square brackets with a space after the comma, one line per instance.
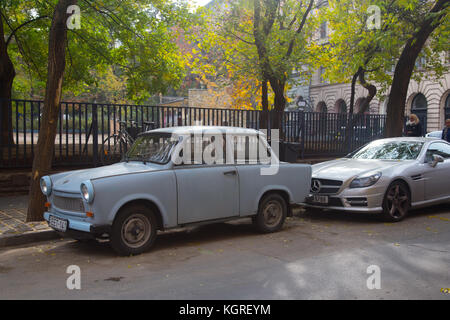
[206, 129]
[399, 139]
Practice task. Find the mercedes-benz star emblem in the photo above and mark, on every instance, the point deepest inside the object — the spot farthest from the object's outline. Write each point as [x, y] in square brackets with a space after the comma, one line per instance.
[315, 186]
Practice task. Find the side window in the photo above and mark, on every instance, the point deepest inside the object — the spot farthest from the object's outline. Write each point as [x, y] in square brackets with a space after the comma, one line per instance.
[202, 149]
[438, 148]
[214, 150]
[248, 150]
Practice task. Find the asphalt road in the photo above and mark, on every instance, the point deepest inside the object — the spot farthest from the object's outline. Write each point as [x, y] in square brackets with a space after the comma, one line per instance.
[316, 256]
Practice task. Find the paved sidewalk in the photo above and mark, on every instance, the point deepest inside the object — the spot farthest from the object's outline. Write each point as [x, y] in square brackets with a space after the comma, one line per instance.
[13, 228]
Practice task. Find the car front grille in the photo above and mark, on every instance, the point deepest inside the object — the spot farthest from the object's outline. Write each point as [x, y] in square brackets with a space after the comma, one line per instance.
[325, 186]
[69, 204]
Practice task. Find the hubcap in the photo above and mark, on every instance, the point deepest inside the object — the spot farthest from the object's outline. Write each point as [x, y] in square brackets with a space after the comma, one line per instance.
[397, 199]
[273, 213]
[136, 230]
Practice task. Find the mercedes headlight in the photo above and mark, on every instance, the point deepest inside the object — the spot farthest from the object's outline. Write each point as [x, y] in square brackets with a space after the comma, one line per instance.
[46, 185]
[362, 182]
[87, 191]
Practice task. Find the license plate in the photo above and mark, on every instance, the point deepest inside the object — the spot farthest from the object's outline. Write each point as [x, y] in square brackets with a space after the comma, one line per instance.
[320, 199]
[58, 223]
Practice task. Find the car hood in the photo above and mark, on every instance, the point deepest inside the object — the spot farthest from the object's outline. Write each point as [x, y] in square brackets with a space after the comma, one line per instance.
[70, 181]
[345, 168]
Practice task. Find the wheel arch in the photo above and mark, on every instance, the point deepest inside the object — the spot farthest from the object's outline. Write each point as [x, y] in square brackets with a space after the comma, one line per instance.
[283, 193]
[404, 181]
[146, 203]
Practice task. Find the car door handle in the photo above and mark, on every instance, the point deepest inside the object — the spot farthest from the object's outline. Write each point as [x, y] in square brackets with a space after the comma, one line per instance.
[230, 173]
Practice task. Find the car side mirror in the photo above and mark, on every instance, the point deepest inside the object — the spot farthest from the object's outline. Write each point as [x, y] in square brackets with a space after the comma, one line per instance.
[436, 159]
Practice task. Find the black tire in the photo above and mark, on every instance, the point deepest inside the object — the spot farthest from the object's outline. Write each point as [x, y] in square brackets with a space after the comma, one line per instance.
[396, 202]
[272, 213]
[134, 230]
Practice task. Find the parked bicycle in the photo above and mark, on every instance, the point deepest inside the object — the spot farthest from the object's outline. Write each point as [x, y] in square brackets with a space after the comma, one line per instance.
[116, 145]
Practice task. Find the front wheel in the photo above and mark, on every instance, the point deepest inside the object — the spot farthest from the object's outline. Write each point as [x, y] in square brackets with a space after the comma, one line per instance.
[396, 202]
[272, 212]
[134, 230]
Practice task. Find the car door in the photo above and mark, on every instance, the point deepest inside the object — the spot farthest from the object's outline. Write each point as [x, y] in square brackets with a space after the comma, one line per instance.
[206, 192]
[437, 178]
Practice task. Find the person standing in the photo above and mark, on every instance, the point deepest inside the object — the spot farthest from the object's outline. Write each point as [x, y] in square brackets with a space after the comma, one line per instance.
[413, 126]
[446, 131]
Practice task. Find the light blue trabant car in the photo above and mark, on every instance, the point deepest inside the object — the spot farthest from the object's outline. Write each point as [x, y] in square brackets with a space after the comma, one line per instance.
[176, 177]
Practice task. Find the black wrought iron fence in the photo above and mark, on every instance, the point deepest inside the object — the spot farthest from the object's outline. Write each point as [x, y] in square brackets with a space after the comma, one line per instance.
[82, 128]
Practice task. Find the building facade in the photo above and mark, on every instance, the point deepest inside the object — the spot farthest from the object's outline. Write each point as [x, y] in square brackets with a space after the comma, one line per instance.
[429, 98]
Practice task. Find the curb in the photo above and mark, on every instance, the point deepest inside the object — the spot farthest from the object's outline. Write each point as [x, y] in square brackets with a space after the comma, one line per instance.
[26, 238]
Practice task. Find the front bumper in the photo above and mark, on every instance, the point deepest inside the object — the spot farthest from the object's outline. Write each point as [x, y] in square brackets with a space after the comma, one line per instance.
[75, 226]
[352, 200]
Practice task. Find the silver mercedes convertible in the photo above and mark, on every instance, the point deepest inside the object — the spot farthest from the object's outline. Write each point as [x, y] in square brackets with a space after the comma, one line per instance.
[387, 176]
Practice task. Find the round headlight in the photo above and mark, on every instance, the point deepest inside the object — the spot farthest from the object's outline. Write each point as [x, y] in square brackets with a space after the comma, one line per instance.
[87, 191]
[46, 185]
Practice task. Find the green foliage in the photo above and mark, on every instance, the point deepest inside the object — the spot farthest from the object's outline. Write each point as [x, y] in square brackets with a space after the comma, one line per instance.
[352, 44]
[136, 37]
[224, 47]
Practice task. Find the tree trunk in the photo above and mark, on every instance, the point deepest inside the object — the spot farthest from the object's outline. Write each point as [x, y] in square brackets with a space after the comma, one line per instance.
[404, 68]
[372, 92]
[279, 105]
[7, 74]
[264, 115]
[42, 161]
[353, 90]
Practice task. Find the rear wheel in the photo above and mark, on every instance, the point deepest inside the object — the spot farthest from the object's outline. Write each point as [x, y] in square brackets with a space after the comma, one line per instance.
[272, 212]
[397, 202]
[134, 230]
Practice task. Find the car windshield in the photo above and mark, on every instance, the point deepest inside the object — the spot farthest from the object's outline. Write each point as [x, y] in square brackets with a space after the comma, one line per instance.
[154, 148]
[390, 150]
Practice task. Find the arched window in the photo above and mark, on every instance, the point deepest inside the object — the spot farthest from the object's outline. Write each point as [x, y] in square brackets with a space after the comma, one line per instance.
[447, 107]
[341, 106]
[419, 108]
[358, 105]
[322, 107]
[419, 102]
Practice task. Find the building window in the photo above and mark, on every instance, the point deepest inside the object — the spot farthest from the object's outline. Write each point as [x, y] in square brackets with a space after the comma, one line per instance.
[322, 107]
[341, 106]
[447, 107]
[421, 62]
[419, 102]
[419, 108]
[323, 30]
[321, 73]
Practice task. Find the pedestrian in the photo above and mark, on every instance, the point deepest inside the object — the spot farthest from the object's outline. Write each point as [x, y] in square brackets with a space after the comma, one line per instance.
[413, 126]
[446, 131]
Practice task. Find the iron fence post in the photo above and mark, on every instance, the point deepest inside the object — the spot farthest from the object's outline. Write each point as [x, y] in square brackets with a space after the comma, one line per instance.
[95, 134]
[302, 133]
